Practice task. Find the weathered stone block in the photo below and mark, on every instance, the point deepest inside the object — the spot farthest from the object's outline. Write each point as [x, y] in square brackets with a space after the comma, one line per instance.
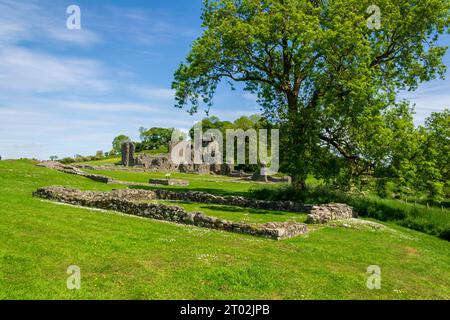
[328, 212]
[170, 182]
[128, 154]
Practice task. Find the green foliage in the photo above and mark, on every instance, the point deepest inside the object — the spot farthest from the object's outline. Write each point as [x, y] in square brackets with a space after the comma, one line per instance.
[117, 143]
[436, 192]
[437, 146]
[385, 188]
[243, 123]
[434, 221]
[318, 69]
[154, 139]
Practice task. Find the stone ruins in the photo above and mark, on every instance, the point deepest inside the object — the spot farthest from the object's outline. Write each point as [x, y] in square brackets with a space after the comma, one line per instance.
[163, 163]
[138, 202]
[128, 159]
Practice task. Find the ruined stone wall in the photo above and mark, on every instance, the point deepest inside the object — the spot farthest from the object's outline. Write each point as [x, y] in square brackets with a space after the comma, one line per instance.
[159, 162]
[130, 202]
[317, 214]
[328, 212]
[128, 150]
[163, 163]
[203, 197]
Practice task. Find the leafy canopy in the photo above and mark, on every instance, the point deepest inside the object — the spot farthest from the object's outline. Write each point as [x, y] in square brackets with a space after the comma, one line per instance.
[318, 69]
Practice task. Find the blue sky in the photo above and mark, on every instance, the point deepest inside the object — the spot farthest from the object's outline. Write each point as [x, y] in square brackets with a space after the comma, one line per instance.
[64, 92]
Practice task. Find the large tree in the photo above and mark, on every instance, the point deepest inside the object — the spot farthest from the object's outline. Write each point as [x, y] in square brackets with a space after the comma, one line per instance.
[317, 66]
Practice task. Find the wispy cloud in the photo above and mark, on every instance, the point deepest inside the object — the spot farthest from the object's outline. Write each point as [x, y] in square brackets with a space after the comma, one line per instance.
[430, 97]
[141, 26]
[24, 70]
[154, 93]
[108, 106]
[33, 21]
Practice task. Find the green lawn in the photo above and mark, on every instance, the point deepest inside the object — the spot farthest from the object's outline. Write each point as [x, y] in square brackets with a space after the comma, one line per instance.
[106, 161]
[132, 258]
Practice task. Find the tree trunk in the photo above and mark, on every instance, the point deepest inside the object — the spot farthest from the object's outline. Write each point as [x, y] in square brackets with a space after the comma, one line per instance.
[299, 183]
[297, 143]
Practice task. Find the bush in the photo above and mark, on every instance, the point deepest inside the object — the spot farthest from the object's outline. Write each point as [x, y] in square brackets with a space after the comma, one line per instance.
[67, 160]
[436, 192]
[385, 188]
[433, 221]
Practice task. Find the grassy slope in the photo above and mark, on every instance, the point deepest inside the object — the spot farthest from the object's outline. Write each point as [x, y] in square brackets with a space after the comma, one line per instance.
[106, 161]
[133, 258]
[207, 183]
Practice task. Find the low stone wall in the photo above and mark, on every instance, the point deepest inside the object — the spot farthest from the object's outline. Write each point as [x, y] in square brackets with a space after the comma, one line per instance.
[316, 214]
[203, 197]
[328, 212]
[130, 202]
[170, 182]
[73, 170]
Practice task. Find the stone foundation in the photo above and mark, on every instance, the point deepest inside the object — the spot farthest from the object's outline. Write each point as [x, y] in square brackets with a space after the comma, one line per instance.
[130, 201]
[203, 197]
[328, 212]
[170, 182]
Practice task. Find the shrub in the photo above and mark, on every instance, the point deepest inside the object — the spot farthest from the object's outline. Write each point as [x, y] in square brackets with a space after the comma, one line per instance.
[433, 221]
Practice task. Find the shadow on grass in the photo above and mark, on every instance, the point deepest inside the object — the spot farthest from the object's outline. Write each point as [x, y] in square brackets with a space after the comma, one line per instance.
[240, 209]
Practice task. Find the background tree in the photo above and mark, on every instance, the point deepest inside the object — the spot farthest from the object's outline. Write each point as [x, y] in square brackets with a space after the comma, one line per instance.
[317, 68]
[438, 128]
[118, 141]
[154, 139]
[244, 123]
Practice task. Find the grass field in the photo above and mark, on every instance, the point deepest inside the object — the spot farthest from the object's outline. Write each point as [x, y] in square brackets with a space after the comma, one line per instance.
[207, 183]
[132, 258]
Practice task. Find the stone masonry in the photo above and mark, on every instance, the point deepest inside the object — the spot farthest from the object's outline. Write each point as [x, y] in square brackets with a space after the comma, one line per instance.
[128, 154]
[317, 214]
[135, 202]
[170, 182]
[328, 212]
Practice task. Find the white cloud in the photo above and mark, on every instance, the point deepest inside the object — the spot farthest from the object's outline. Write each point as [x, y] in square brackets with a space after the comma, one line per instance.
[108, 107]
[23, 70]
[430, 97]
[153, 93]
[143, 27]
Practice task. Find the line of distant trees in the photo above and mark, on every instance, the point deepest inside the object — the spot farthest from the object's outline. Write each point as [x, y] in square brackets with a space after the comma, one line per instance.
[99, 155]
